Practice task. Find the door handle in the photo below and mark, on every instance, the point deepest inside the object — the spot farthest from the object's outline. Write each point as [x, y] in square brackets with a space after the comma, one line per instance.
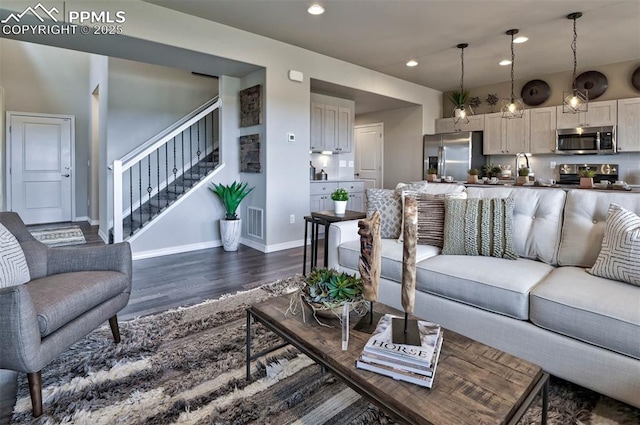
[65, 175]
[357, 174]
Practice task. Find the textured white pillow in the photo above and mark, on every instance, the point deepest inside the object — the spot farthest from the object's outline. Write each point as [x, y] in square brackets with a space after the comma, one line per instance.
[619, 257]
[13, 264]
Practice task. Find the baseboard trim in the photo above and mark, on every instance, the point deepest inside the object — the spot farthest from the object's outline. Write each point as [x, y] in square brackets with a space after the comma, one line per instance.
[253, 244]
[283, 246]
[175, 250]
[103, 236]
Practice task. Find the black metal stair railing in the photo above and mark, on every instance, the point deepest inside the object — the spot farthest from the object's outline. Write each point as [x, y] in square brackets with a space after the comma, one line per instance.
[151, 178]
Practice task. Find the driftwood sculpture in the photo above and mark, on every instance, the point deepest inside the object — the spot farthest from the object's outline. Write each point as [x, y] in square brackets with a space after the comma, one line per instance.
[405, 331]
[409, 253]
[369, 264]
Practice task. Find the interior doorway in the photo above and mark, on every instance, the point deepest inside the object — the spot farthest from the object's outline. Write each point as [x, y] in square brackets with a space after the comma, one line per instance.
[369, 148]
[40, 178]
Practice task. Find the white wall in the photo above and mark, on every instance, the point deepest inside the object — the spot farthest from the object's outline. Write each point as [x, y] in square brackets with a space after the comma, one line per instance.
[49, 80]
[287, 103]
[402, 143]
[99, 79]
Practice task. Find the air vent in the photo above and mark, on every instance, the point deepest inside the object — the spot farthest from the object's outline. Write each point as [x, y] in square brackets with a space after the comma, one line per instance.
[254, 222]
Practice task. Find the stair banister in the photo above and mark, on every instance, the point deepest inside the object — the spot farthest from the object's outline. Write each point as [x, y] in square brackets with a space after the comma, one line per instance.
[155, 142]
[120, 166]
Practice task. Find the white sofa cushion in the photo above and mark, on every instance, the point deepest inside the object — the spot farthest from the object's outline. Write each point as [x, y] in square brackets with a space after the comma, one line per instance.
[495, 284]
[619, 258]
[585, 215]
[537, 219]
[349, 255]
[599, 311]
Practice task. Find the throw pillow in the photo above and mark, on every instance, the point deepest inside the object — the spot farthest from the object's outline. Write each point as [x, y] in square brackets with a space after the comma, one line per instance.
[478, 226]
[431, 217]
[13, 264]
[388, 202]
[619, 257]
[412, 189]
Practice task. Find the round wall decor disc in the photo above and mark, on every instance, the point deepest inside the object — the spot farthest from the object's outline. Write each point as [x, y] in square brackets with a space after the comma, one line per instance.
[593, 81]
[635, 79]
[535, 92]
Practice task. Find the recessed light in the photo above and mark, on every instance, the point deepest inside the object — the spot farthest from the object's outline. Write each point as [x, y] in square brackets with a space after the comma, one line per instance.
[505, 62]
[412, 63]
[316, 9]
[520, 39]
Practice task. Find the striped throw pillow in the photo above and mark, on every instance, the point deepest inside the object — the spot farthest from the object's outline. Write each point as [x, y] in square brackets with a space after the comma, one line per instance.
[13, 264]
[479, 226]
[431, 217]
[619, 257]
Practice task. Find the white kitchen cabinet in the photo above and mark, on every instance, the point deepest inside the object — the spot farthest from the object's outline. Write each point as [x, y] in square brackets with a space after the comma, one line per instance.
[503, 136]
[331, 128]
[542, 130]
[598, 114]
[321, 191]
[446, 125]
[628, 135]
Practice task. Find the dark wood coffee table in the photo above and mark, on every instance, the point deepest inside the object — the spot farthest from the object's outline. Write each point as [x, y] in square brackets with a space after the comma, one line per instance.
[474, 383]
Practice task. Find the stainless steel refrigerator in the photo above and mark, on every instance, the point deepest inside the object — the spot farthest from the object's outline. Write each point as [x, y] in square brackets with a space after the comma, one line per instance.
[453, 154]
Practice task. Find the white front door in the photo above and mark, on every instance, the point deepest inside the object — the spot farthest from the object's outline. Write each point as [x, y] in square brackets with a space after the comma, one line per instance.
[40, 166]
[368, 153]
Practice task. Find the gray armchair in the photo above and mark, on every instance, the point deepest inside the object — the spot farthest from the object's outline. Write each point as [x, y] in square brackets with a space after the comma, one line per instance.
[72, 291]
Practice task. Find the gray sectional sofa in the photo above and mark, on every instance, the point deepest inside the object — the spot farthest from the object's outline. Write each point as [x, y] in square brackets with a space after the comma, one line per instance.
[544, 306]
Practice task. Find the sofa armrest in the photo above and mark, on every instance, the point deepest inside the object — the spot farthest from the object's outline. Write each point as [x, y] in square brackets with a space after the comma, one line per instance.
[114, 257]
[19, 329]
[339, 233]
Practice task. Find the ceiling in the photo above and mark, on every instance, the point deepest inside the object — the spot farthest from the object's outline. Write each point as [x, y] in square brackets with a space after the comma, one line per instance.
[384, 34]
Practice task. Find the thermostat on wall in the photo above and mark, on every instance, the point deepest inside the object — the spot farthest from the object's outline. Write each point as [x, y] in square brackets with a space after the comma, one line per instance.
[295, 75]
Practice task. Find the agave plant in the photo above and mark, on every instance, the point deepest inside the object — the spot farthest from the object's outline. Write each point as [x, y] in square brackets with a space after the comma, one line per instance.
[231, 196]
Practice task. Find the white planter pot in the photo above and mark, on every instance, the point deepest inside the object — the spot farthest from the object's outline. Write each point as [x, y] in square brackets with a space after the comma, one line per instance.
[340, 206]
[230, 234]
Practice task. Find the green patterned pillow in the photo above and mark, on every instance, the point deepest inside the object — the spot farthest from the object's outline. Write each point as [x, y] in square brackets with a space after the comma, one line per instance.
[479, 226]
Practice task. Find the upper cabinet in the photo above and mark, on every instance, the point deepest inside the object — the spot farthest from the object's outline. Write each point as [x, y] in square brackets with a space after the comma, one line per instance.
[598, 114]
[628, 136]
[331, 124]
[446, 125]
[542, 130]
[504, 136]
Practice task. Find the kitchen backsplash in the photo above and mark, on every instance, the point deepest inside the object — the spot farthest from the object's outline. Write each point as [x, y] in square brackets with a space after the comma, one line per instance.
[331, 164]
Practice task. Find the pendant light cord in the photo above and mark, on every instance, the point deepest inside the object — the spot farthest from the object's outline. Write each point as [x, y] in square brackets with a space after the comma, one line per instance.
[574, 48]
[513, 59]
[462, 70]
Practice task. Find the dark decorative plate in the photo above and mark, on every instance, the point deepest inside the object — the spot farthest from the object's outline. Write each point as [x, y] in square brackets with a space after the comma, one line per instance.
[535, 92]
[635, 79]
[593, 81]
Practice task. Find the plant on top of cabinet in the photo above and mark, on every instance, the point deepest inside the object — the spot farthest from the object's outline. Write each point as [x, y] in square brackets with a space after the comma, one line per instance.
[431, 174]
[472, 176]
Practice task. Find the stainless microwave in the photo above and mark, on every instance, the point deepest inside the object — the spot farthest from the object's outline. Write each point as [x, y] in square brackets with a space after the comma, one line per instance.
[586, 140]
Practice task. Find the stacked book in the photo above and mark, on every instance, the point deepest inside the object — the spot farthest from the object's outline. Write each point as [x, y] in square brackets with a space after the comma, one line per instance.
[411, 363]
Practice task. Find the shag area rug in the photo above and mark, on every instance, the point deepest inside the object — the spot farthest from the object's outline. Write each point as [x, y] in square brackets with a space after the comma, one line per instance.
[187, 366]
[60, 236]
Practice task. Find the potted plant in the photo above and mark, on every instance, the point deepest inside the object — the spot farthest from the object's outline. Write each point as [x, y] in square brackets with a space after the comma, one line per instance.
[523, 176]
[431, 174]
[586, 178]
[231, 226]
[472, 176]
[459, 99]
[326, 290]
[340, 197]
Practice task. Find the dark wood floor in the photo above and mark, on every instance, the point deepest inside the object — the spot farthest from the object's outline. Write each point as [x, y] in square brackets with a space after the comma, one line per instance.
[185, 279]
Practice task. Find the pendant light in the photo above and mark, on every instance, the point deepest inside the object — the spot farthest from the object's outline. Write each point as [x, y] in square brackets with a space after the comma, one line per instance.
[575, 100]
[512, 107]
[461, 111]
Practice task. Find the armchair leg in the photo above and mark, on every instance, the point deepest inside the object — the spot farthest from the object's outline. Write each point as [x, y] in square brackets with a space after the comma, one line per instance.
[115, 330]
[35, 390]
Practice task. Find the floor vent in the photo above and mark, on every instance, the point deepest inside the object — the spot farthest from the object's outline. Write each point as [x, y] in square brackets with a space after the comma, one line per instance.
[254, 222]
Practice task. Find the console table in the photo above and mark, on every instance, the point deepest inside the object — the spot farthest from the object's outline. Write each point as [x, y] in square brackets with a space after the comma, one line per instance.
[324, 218]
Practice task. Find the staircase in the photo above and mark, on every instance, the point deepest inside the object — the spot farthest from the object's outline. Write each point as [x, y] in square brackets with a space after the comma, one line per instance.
[151, 178]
